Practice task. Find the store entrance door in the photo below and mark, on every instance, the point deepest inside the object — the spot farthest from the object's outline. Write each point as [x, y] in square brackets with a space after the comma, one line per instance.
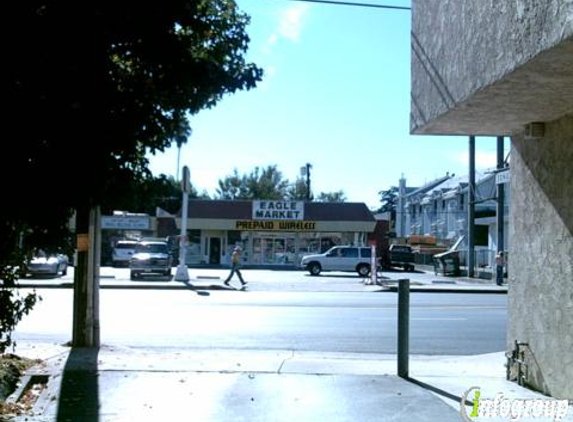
[269, 249]
[214, 250]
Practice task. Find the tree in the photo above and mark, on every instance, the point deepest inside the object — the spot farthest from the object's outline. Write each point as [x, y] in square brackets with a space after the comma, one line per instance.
[232, 187]
[267, 183]
[92, 88]
[389, 200]
[298, 190]
[338, 196]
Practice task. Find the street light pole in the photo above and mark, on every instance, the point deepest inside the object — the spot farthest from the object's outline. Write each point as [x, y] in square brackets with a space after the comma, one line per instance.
[182, 274]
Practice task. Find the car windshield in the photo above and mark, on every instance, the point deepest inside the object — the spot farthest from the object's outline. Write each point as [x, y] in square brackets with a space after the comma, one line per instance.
[125, 246]
[152, 248]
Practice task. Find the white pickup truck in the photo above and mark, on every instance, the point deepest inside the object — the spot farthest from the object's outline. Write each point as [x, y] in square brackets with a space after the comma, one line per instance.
[339, 258]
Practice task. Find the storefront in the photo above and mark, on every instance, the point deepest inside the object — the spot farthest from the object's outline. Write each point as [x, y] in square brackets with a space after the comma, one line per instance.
[272, 233]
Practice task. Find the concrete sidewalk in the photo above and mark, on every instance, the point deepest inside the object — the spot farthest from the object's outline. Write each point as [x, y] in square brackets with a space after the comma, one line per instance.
[126, 384]
[266, 280]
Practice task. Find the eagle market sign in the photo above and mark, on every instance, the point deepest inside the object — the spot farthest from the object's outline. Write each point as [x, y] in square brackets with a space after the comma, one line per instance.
[278, 210]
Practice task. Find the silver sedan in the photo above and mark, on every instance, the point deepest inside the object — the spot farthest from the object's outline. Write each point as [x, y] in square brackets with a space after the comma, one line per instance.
[52, 265]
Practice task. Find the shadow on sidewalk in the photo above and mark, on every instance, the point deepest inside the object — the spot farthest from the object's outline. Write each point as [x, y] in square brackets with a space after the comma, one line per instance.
[79, 393]
[438, 391]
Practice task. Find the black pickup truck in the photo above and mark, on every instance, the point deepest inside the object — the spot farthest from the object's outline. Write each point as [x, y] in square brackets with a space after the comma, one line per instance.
[400, 256]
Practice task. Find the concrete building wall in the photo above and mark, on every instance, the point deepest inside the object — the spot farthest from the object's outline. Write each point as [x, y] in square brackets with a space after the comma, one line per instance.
[488, 67]
[541, 256]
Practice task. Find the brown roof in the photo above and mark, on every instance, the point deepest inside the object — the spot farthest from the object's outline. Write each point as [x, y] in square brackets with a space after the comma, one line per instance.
[314, 211]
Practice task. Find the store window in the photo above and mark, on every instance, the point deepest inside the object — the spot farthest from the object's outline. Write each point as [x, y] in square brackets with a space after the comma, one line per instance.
[234, 238]
[274, 248]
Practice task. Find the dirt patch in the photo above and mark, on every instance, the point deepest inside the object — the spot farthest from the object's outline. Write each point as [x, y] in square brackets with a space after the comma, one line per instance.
[12, 367]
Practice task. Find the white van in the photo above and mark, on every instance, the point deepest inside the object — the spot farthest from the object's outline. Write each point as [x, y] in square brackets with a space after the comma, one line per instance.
[122, 252]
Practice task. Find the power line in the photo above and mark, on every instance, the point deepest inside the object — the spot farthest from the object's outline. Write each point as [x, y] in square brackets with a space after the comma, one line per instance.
[350, 3]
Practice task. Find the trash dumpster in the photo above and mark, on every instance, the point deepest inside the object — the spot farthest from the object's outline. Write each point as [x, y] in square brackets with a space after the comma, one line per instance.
[447, 263]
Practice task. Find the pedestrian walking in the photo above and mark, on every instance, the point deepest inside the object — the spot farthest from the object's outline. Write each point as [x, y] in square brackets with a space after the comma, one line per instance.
[235, 266]
[499, 264]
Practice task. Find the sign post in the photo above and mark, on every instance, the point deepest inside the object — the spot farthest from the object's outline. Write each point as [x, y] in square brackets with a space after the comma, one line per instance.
[182, 274]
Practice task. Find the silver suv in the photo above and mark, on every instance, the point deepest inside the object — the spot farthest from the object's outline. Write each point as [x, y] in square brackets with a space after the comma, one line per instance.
[339, 258]
[150, 257]
[122, 252]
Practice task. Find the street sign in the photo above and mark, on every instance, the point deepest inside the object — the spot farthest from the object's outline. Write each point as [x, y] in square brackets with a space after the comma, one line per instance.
[502, 177]
[114, 222]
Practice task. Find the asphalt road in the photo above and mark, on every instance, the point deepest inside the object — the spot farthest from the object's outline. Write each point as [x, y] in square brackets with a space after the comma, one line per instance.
[363, 322]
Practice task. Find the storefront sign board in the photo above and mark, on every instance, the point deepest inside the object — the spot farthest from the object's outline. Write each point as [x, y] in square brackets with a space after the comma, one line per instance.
[278, 210]
[291, 226]
[125, 223]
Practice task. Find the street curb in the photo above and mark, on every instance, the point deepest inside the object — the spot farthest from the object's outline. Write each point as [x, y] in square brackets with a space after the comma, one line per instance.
[450, 290]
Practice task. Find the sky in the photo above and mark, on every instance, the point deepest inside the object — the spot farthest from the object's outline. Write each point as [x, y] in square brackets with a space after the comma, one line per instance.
[335, 94]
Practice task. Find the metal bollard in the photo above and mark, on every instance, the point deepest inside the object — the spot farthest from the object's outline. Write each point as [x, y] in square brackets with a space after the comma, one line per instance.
[403, 327]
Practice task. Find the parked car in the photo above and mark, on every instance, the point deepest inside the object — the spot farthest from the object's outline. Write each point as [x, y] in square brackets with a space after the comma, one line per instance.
[339, 258]
[123, 250]
[150, 257]
[48, 265]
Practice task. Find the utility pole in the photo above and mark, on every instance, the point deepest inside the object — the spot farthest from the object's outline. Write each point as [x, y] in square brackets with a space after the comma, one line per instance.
[500, 207]
[180, 140]
[400, 212]
[182, 274]
[471, 206]
[305, 171]
[86, 328]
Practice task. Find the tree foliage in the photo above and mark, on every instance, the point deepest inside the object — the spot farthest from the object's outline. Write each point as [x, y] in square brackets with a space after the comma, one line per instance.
[389, 200]
[14, 307]
[298, 190]
[338, 196]
[268, 183]
[90, 89]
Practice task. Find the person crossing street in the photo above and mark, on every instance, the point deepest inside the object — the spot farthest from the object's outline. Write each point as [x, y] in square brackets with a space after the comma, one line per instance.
[235, 266]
